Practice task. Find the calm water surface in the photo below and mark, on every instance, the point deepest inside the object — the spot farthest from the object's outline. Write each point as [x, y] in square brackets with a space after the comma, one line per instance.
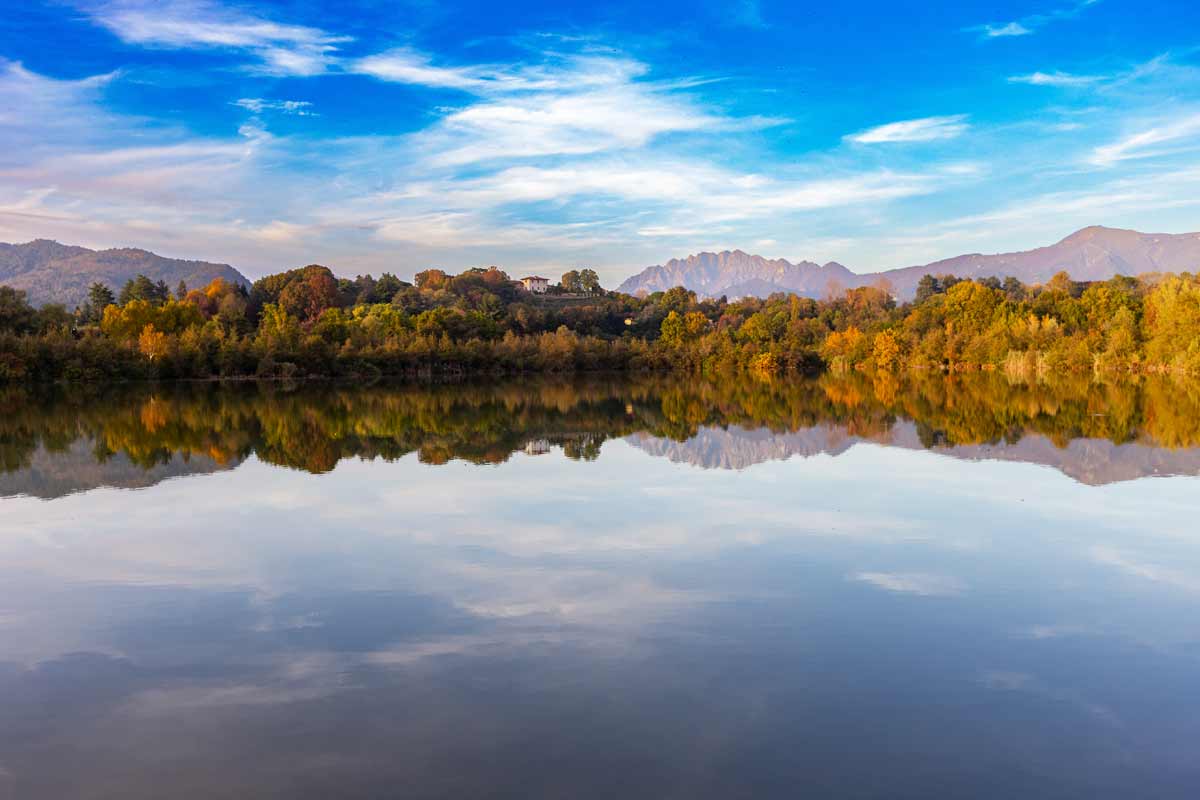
[601, 588]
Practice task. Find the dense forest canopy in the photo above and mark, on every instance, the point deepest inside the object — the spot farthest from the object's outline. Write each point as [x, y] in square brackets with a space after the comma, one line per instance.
[307, 321]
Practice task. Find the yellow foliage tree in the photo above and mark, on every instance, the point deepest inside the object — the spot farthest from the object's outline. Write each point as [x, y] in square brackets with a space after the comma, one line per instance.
[886, 352]
[152, 343]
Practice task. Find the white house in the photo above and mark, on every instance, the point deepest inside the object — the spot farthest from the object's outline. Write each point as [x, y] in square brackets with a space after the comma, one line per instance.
[535, 284]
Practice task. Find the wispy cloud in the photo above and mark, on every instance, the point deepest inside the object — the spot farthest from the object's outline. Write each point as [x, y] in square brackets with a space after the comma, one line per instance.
[257, 105]
[1026, 26]
[1164, 70]
[705, 192]
[1056, 79]
[580, 105]
[925, 129]
[31, 105]
[1168, 136]
[405, 65]
[1007, 29]
[280, 48]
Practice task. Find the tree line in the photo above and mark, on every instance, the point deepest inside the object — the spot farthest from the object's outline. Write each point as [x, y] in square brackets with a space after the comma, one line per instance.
[313, 428]
[307, 322]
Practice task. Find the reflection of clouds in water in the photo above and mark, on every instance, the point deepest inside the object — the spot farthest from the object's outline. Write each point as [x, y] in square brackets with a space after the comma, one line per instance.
[504, 642]
[576, 596]
[417, 609]
[503, 542]
[1155, 573]
[1006, 681]
[1056, 631]
[196, 698]
[918, 583]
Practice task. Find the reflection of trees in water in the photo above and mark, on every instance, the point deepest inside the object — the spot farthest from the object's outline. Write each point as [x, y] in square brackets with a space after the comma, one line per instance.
[313, 427]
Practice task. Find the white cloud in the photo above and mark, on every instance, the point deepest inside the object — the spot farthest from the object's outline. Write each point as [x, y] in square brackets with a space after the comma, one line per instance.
[579, 106]
[699, 191]
[257, 105]
[1166, 137]
[1055, 79]
[282, 49]
[1027, 25]
[408, 66]
[925, 129]
[32, 105]
[1009, 29]
[280, 231]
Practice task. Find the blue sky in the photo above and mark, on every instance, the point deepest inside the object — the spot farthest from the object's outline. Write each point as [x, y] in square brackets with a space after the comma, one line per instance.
[542, 136]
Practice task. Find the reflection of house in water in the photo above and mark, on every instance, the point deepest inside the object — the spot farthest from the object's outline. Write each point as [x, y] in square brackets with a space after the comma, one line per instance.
[537, 447]
[574, 445]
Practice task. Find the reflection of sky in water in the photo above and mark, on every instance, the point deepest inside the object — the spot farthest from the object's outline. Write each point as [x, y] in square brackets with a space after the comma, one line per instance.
[884, 623]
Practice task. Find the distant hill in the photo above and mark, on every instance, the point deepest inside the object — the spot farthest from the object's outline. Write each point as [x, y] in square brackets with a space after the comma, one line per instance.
[57, 273]
[1094, 253]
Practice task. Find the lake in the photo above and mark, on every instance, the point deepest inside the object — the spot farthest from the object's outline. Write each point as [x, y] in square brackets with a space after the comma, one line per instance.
[602, 587]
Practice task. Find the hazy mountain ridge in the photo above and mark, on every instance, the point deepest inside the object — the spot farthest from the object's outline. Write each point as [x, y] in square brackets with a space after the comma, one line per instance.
[1093, 253]
[56, 273]
[736, 272]
[1095, 462]
[50, 474]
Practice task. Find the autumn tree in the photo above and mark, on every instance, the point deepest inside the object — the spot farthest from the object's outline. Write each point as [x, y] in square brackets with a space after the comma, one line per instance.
[431, 279]
[310, 293]
[152, 343]
[885, 351]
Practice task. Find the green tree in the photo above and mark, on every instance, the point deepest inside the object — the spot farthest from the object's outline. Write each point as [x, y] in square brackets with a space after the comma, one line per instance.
[571, 282]
[277, 329]
[673, 330]
[54, 317]
[100, 297]
[16, 315]
[589, 281]
[142, 288]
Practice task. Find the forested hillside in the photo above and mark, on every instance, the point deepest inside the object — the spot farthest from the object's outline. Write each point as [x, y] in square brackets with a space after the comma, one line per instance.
[308, 322]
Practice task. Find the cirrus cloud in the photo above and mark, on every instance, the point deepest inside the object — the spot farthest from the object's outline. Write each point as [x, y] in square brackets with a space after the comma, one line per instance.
[1055, 79]
[280, 48]
[925, 129]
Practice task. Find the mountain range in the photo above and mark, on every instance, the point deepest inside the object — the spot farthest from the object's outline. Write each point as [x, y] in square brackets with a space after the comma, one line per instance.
[50, 272]
[1093, 253]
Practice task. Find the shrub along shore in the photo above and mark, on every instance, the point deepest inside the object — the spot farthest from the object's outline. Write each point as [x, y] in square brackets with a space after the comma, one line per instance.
[308, 323]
